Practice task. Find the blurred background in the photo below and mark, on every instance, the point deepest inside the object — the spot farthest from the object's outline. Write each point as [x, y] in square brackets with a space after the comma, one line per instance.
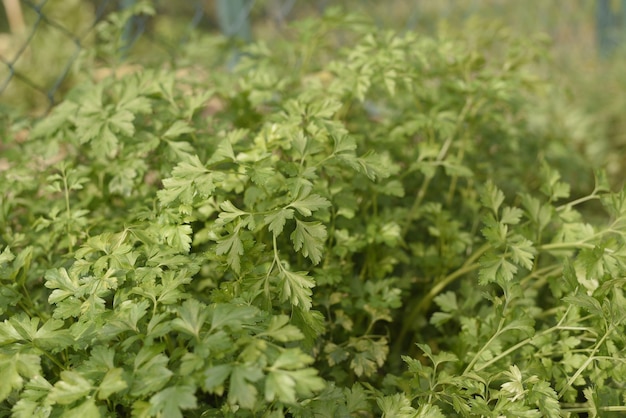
[47, 46]
[41, 41]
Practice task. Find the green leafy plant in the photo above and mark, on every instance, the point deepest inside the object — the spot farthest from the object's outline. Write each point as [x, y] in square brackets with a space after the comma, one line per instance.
[371, 229]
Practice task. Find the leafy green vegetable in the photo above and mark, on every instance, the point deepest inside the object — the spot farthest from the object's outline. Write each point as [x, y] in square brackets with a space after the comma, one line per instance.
[372, 230]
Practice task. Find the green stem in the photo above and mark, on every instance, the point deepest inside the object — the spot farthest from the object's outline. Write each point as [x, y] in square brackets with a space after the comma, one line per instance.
[442, 284]
[592, 196]
[469, 266]
[513, 348]
[565, 246]
[472, 363]
[582, 368]
[266, 283]
[440, 157]
[582, 243]
[51, 358]
[584, 409]
[416, 204]
[542, 274]
[66, 191]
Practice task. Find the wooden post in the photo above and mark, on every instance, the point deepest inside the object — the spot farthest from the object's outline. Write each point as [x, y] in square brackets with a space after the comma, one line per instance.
[14, 15]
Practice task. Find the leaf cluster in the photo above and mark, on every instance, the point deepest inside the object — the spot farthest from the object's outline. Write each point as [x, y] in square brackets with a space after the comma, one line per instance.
[355, 233]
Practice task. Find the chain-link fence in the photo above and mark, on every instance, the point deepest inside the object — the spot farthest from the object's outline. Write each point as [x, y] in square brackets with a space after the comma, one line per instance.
[42, 43]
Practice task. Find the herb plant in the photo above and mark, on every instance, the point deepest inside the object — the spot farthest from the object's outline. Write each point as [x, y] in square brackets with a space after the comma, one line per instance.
[373, 229]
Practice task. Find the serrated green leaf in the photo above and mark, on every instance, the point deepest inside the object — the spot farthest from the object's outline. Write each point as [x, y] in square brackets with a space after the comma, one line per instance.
[232, 245]
[70, 388]
[280, 386]
[591, 402]
[511, 215]
[369, 355]
[32, 403]
[601, 181]
[291, 359]
[241, 391]
[170, 290]
[58, 117]
[540, 214]
[390, 234]
[280, 330]
[125, 318]
[6, 256]
[309, 238]
[494, 268]
[514, 387]
[150, 371]
[492, 197]
[87, 409]
[522, 324]
[190, 180]
[229, 213]
[286, 385]
[546, 398]
[215, 377]
[447, 301]
[551, 186]
[141, 409]
[178, 237]
[171, 401]
[14, 368]
[112, 382]
[296, 287]
[64, 284]
[232, 316]
[443, 357]
[372, 165]
[311, 322]
[452, 168]
[522, 251]
[183, 150]
[27, 408]
[192, 314]
[51, 336]
[392, 188]
[224, 152]
[429, 411]
[396, 406]
[177, 129]
[344, 146]
[308, 204]
[289, 377]
[440, 318]
[495, 232]
[586, 302]
[426, 350]
[262, 175]
[278, 219]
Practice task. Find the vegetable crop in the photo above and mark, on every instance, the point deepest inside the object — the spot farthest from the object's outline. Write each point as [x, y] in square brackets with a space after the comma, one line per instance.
[351, 222]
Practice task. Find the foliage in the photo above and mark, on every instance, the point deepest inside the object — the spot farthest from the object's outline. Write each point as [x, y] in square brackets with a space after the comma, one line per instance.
[378, 229]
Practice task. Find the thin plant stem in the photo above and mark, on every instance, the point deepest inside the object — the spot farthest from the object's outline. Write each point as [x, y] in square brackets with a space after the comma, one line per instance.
[583, 366]
[469, 266]
[513, 348]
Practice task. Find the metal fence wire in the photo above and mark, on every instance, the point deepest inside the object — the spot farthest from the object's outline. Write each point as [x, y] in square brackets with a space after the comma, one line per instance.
[14, 46]
[42, 42]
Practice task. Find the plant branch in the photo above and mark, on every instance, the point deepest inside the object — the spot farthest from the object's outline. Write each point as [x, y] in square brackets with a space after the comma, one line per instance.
[469, 266]
[518, 345]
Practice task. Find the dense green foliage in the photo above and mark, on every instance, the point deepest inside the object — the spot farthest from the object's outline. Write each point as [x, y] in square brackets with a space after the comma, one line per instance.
[376, 229]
